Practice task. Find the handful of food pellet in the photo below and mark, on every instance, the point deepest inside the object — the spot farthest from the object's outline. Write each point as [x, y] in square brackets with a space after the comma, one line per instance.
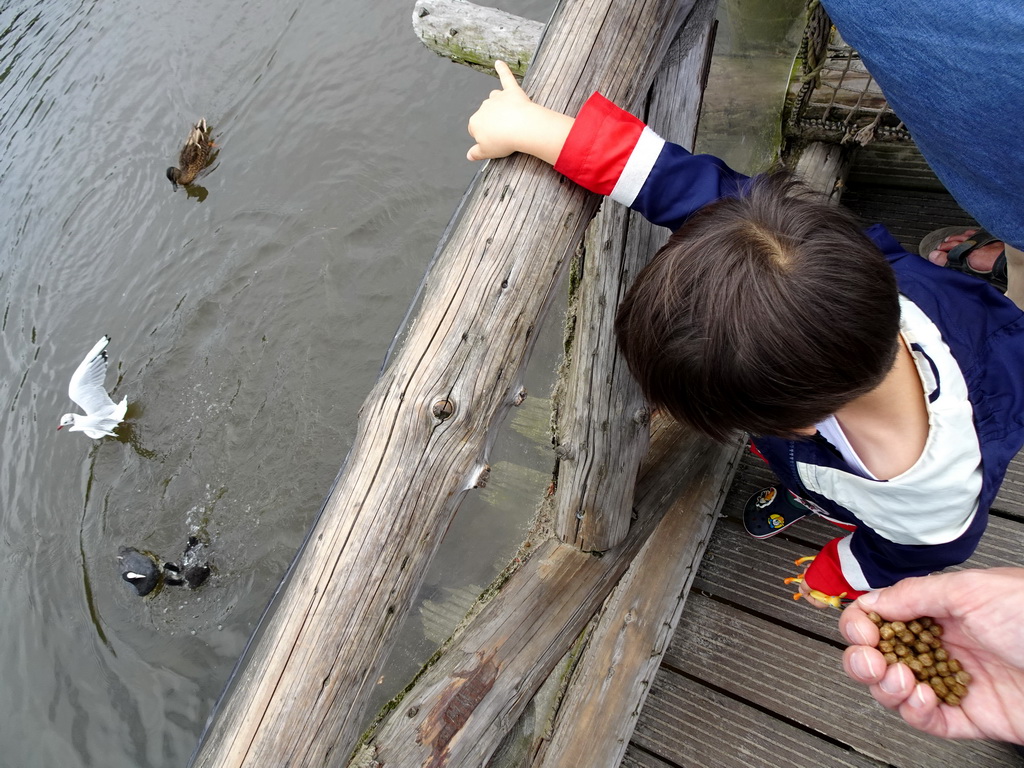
[917, 644]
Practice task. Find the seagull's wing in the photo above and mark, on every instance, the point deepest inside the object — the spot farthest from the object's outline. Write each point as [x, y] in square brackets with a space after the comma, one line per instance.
[86, 387]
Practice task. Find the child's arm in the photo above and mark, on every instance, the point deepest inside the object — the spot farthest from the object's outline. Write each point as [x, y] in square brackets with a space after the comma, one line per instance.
[604, 149]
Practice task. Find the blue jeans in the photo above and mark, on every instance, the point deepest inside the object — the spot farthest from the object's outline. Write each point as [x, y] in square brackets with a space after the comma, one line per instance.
[951, 70]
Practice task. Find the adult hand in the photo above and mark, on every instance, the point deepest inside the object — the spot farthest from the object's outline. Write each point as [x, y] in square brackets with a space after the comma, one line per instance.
[982, 617]
[508, 121]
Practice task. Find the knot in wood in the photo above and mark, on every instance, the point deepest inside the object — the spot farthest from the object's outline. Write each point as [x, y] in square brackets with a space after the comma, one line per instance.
[424, 12]
[443, 409]
[453, 32]
[520, 397]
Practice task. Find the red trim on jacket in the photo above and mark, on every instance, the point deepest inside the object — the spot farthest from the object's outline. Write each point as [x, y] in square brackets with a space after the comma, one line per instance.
[825, 574]
[605, 133]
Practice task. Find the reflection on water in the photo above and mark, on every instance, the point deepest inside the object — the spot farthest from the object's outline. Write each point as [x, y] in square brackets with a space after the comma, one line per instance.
[249, 329]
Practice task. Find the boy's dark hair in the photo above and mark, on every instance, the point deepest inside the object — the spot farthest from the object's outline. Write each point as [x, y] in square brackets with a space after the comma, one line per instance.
[765, 312]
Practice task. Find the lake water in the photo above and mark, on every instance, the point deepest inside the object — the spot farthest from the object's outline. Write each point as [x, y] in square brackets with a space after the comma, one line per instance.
[249, 319]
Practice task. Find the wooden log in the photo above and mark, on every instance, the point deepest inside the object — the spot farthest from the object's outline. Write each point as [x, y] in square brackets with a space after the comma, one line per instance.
[474, 35]
[601, 415]
[460, 708]
[300, 695]
[823, 167]
[607, 691]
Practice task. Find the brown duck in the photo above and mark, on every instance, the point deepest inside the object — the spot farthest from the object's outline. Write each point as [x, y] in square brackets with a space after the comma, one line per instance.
[195, 155]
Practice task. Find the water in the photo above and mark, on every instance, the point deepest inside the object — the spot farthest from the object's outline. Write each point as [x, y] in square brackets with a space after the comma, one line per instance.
[249, 319]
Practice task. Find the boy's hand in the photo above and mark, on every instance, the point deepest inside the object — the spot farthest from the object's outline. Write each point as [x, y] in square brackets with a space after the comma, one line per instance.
[806, 591]
[508, 122]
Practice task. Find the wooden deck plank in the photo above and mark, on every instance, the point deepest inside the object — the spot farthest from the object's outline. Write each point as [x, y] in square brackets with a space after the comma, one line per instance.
[725, 733]
[909, 214]
[637, 758]
[1010, 498]
[801, 679]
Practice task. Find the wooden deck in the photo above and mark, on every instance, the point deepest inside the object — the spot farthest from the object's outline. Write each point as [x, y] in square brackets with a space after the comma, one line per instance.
[753, 678]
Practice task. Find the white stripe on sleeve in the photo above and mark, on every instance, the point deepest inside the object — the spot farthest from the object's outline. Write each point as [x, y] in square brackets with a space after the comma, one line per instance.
[638, 167]
[852, 571]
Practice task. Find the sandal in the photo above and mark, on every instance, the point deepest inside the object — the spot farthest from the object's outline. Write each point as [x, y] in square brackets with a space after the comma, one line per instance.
[957, 257]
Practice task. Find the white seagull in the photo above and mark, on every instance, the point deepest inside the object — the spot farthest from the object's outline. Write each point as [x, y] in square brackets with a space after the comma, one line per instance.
[86, 389]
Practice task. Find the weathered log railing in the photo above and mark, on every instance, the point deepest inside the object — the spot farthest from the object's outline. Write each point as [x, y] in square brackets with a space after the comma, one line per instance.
[464, 703]
[301, 695]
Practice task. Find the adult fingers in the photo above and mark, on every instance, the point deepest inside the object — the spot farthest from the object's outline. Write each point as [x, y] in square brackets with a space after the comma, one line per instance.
[856, 627]
[921, 710]
[912, 598]
[475, 153]
[896, 686]
[865, 665]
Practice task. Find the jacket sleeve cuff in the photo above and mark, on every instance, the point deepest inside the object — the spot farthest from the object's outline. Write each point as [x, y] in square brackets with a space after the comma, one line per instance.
[599, 145]
[825, 573]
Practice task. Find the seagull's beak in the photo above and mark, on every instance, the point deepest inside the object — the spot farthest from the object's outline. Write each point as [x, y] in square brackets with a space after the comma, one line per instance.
[60, 427]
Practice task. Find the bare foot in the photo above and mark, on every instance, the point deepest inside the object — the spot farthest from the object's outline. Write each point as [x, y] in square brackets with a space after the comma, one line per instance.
[980, 259]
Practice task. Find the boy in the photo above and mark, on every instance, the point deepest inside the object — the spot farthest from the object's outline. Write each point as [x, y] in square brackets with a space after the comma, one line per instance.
[884, 391]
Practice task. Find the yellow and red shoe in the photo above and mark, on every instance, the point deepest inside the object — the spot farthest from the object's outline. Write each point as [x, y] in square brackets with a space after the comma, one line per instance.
[772, 510]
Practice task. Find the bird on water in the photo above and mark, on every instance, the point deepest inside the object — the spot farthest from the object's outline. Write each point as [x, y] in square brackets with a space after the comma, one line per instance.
[102, 414]
[194, 156]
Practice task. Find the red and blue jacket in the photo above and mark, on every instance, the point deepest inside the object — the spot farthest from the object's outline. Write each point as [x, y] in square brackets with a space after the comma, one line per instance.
[967, 340]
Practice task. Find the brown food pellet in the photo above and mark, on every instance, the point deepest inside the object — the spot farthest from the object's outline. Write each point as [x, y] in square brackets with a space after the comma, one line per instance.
[916, 643]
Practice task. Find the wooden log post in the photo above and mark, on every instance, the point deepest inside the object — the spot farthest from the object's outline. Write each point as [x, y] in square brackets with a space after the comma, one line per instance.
[823, 167]
[601, 415]
[300, 695]
[611, 680]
